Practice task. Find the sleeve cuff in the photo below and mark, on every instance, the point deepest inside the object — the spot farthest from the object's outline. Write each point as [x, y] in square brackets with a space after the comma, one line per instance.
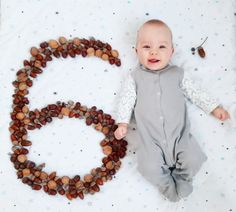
[212, 107]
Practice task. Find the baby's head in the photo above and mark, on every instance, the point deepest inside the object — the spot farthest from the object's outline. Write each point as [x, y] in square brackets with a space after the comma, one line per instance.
[154, 44]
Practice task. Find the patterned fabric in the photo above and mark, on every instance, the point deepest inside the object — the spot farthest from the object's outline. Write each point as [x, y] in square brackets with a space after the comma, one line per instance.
[189, 87]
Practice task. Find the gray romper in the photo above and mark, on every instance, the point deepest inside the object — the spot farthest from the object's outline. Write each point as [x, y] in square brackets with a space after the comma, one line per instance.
[168, 155]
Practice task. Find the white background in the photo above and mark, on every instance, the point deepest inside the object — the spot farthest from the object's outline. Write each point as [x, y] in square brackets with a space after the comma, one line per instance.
[69, 146]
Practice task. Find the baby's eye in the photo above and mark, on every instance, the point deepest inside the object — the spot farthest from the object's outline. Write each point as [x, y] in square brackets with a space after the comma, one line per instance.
[146, 46]
[162, 47]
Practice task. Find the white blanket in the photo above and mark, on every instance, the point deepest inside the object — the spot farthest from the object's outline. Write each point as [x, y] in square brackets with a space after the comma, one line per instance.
[69, 146]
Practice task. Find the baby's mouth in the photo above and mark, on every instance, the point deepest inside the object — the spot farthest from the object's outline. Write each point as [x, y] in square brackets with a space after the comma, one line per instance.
[153, 61]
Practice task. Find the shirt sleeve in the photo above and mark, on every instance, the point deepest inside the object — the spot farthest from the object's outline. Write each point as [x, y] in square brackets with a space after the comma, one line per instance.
[127, 99]
[198, 95]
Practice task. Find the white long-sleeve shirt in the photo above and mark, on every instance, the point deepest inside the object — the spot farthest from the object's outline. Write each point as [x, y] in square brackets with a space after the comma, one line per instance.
[189, 87]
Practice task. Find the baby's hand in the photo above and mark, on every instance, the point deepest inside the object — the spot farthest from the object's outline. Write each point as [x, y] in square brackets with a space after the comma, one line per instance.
[121, 131]
[220, 113]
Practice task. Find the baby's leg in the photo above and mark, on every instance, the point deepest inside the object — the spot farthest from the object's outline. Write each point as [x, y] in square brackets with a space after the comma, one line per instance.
[152, 166]
[188, 163]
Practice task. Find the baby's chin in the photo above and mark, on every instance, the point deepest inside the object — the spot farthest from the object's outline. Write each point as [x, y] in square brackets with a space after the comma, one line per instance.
[155, 66]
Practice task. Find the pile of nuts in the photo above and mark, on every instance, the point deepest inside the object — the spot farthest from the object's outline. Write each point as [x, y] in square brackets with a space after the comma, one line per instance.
[24, 119]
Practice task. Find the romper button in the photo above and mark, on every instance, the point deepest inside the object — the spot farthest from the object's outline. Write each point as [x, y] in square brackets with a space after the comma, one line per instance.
[161, 117]
[158, 93]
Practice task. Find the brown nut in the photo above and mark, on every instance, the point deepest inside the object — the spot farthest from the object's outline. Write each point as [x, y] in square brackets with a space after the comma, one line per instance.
[65, 180]
[76, 41]
[79, 185]
[37, 173]
[26, 172]
[105, 130]
[53, 44]
[52, 184]
[21, 158]
[105, 57]
[34, 51]
[99, 53]
[62, 40]
[43, 176]
[81, 195]
[110, 165]
[25, 109]
[20, 116]
[36, 187]
[26, 143]
[26, 121]
[37, 64]
[114, 53]
[107, 150]
[99, 181]
[88, 178]
[90, 51]
[22, 86]
[65, 111]
[98, 127]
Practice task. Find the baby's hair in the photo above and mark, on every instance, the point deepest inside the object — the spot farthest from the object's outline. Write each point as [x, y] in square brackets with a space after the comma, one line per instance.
[157, 22]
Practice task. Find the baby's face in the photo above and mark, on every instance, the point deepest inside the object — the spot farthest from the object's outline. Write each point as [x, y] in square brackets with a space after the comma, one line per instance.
[154, 46]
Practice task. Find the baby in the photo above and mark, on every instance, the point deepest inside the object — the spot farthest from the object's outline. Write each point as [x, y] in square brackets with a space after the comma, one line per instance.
[168, 155]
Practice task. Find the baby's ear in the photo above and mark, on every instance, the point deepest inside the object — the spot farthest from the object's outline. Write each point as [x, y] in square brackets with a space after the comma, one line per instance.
[173, 50]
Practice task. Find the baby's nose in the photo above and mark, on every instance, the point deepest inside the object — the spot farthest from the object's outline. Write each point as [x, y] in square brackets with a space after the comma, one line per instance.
[154, 52]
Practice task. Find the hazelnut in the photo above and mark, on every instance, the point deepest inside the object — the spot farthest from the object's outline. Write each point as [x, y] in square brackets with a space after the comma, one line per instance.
[53, 44]
[65, 180]
[22, 86]
[37, 173]
[79, 185]
[110, 165]
[37, 64]
[93, 172]
[90, 51]
[99, 53]
[26, 172]
[105, 130]
[21, 158]
[114, 53]
[34, 51]
[76, 41]
[62, 40]
[22, 77]
[105, 57]
[43, 176]
[98, 127]
[25, 109]
[52, 184]
[107, 150]
[65, 111]
[88, 178]
[20, 116]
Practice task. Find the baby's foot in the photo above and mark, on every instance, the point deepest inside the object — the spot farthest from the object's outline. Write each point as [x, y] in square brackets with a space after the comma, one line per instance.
[184, 187]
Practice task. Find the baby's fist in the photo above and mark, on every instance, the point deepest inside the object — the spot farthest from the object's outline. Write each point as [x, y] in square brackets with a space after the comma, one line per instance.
[121, 131]
[220, 113]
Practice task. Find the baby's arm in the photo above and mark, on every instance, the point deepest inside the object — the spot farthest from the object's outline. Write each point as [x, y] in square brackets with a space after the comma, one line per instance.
[125, 106]
[202, 99]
